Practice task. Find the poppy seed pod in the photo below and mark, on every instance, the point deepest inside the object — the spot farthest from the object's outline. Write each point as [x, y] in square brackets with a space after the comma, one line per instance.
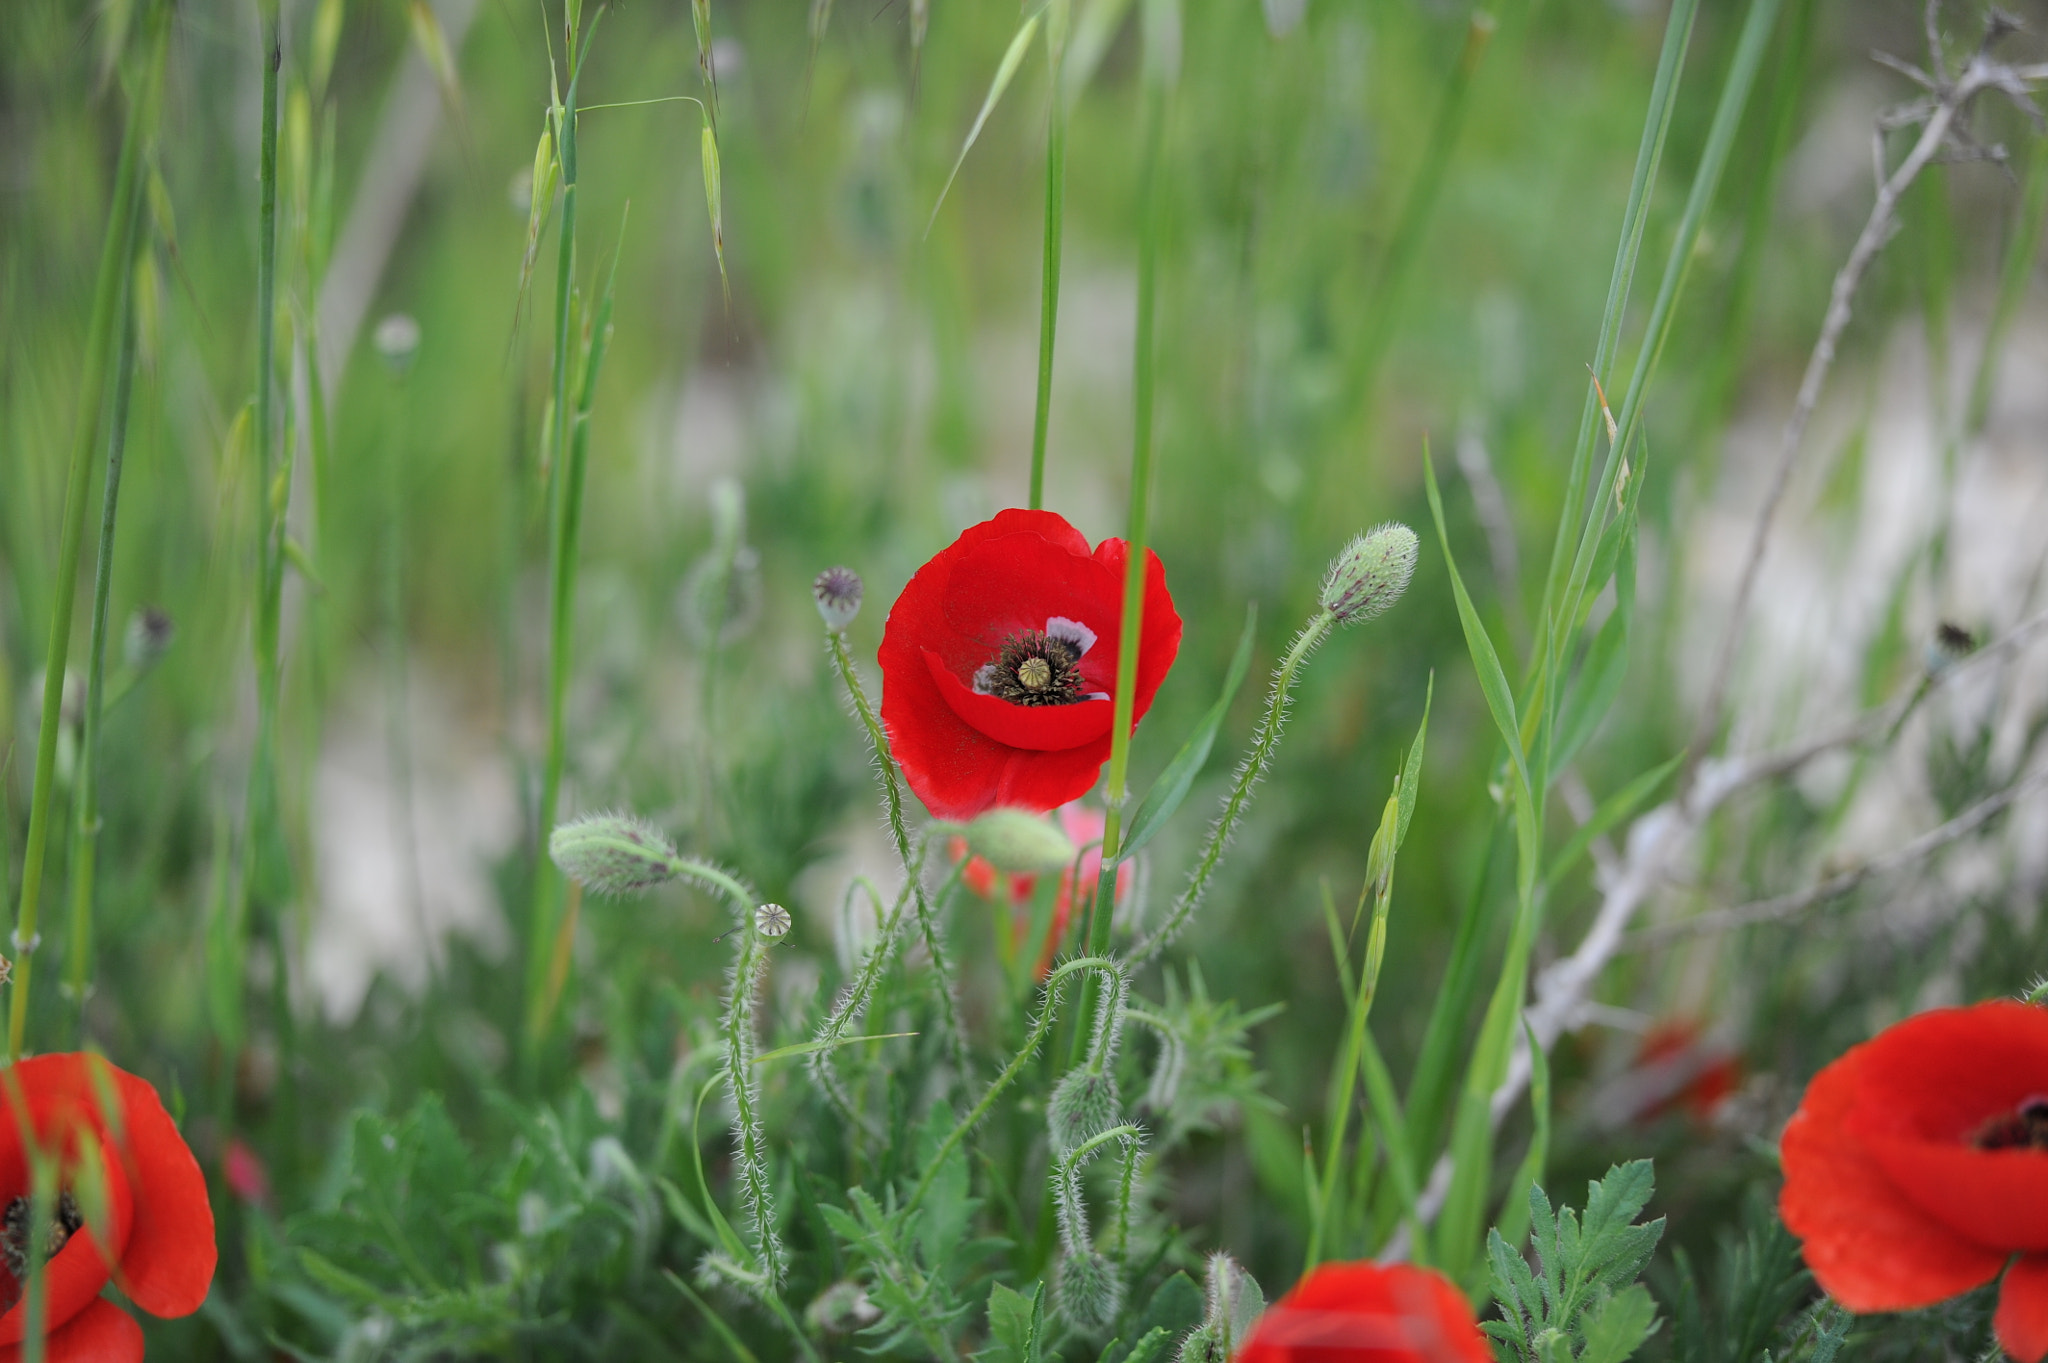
[837, 592]
[1020, 843]
[612, 854]
[1370, 574]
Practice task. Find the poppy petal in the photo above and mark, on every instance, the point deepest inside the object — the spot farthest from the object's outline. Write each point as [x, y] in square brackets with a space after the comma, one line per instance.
[1869, 1246]
[1931, 1084]
[168, 1264]
[2021, 1322]
[1366, 1313]
[1039, 728]
[1013, 584]
[101, 1333]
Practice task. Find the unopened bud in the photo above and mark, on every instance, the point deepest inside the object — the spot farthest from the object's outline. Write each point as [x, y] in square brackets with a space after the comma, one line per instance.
[1370, 574]
[1020, 843]
[1083, 1105]
[1088, 1291]
[397, 339]
[612, 854]
[149, 636]
[837, 592]
[1233, 1304]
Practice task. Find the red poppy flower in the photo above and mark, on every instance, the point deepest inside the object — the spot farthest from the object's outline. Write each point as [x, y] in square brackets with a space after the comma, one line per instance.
[1083, 827]
[1680, 1069]
[1364, 1313]
[1917, 1166]
[999, 659]
[156, 1239]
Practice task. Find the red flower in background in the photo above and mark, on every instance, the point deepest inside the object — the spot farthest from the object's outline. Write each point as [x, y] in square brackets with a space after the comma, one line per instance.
[999, 658]
[1083, 826]
[156, 1243]
[1693, 1074]
[1917, 1166]
[1363, 1313]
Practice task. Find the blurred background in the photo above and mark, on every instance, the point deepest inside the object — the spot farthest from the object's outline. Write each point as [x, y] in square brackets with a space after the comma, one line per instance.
[1385, 224]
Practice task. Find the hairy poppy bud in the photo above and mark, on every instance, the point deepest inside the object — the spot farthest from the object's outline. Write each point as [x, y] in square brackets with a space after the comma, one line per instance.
[1234, 1304]
[1083, 1105]
[1020, 843]
[1370, 574]
[612, 854]
[837, 592]
[1088, 1291]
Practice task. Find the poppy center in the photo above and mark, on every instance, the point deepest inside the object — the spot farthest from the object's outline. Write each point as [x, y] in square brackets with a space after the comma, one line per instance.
[2024, 1128]
[15, 1232]
[1034, 668]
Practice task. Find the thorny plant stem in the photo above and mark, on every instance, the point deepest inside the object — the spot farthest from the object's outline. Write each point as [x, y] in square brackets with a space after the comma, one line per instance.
[1032, 1039]
[1249, 773]
[115, 253]
[1876, 232]
[899, 831]
[85, 797]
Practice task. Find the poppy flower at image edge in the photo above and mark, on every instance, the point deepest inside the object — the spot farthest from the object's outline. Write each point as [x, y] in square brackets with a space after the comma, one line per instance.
[1366, 1313]
[999, 660]
[1917, 1168]
[159, 1241]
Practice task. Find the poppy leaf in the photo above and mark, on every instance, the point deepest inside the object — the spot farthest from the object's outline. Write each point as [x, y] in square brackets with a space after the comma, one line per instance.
[1173, 784]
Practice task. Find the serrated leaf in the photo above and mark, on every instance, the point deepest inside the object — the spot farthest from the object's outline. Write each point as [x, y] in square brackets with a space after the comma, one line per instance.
[1172, 785]
[1617, 1326]
[1175, 1309]
[1015, 1325]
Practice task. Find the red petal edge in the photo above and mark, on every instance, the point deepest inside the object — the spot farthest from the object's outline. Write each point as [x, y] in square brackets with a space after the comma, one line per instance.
[2021, 1323]
[1868, 1245]
[170, 1258]
[101, 1333]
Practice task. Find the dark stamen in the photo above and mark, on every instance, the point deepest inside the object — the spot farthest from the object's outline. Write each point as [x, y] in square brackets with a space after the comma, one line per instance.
[2025, 1128]
[1034, 668]
[14, 1232]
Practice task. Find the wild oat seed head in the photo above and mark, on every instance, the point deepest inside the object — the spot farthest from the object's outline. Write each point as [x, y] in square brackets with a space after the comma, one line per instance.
[1371, 573]
[612, 854]
[1020, 843]
[837, 592]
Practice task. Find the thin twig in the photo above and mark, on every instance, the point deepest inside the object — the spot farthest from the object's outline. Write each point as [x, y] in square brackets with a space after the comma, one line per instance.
[1784, 906]
[1950, 97]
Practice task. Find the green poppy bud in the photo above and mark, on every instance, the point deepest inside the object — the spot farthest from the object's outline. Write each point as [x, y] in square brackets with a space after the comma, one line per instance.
[1088, 1291]
[612, 854]
[1371, 573]
[1019, 843]
[1083, 1105]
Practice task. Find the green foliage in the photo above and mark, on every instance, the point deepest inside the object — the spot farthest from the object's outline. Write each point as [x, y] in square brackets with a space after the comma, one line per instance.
[1581, 1302]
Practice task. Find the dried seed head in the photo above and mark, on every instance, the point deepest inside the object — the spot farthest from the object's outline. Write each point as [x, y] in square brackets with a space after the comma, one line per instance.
[612, 854]
[837, 592]
[1083, 1105]
[1088, 1291]
[771, 920]
[1370, 574]
[1020, 843]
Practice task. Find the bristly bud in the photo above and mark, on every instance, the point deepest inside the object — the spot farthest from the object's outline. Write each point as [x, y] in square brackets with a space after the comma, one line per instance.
[1234, 1305]
[837, 592]
[1020, 843]
[612, 854]
[1371, 573]
[1088, 1291]
[1083, 1105]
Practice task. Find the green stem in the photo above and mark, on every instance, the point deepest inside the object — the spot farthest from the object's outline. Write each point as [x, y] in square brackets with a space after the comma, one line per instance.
[1039, 1027]
[115, 253]
[1248, 776]
[565, 495]
[1049, 287]
[85, 798]
[899, 831]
